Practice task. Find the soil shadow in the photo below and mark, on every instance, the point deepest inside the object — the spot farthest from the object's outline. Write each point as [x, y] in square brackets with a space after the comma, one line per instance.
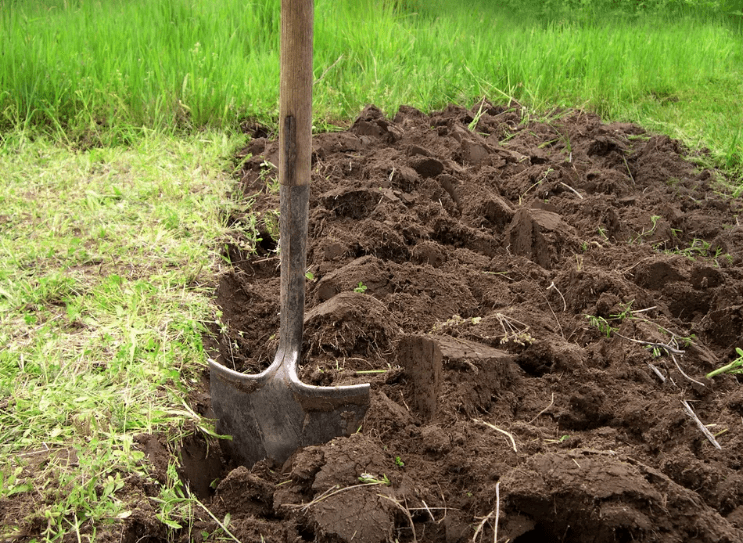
[540, 296]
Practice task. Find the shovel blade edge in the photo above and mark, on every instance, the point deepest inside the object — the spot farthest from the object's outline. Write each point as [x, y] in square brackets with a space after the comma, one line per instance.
[270, 417]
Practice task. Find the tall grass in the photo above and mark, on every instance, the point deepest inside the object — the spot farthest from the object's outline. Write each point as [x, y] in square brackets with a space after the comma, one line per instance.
[106, 69]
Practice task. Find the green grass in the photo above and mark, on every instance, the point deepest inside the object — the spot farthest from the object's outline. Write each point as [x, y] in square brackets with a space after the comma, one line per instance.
[107, 264]
[183, 64]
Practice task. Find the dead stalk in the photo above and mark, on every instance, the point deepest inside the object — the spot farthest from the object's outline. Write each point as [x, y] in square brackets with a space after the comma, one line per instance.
[327, 70]
[701, 426]
[564, 303]
[543, 411]
[657, 372]
[428, 510]
[572, 189]
[510, 436]
[404, 510]
[332, 491]
[497, 511]
[628, 170]
[215, 519]
[678, 367]
[480, 527]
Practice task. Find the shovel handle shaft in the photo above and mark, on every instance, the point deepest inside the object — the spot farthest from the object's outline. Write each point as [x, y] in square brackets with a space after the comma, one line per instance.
[295, 103]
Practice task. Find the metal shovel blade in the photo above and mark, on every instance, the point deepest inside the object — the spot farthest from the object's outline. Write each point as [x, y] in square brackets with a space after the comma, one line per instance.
[272, 414]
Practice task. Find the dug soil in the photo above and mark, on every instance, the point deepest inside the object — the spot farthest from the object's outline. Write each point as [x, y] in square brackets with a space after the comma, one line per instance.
[532, 301]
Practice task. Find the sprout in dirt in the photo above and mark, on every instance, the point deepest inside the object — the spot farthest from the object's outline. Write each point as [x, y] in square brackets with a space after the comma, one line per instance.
[735, 367]
[369, 479]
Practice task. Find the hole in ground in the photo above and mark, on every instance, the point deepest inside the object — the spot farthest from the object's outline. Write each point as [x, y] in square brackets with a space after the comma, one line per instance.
[202, 465]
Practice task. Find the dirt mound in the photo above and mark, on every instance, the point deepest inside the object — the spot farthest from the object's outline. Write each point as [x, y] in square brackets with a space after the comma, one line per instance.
[537, 298]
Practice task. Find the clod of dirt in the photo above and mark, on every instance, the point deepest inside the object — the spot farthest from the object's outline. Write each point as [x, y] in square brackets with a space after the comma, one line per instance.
[244, 492]
[583, 495]
[541, 236]
[345, 484]
[349, 323]
[420, 357]
[367, 518]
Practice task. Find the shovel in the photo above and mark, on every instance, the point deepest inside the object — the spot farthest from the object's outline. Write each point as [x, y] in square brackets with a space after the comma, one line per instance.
[272, 414]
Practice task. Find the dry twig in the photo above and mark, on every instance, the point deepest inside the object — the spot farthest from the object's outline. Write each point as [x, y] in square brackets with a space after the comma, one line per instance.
[552, 402]
[682, 371]
[480, 527]
[510, 436]
[404, 510]
[572, 189]
[701, 426]
[564, 303]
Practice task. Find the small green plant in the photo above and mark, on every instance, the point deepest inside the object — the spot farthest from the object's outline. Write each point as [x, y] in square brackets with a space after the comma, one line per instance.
[172, 500]
[735, 367]
[271, 220]
[626, 312]
[369, 479]
[601, 324]
[361, 288]
[654, 220]
[14, 483]
[476, 119]
[268, 174]
[399, 463]
[654, 350]
[310, 276]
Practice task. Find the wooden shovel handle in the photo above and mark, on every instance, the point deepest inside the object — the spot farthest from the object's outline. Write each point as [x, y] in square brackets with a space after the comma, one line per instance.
[295, 103]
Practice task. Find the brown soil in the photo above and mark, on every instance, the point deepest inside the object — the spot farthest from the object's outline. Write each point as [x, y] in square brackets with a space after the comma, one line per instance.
[483, 253]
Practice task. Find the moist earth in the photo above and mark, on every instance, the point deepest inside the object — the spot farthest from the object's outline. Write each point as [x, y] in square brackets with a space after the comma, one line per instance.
[532, 301]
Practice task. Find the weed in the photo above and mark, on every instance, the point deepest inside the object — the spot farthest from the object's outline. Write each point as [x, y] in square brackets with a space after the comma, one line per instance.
[361, 288]
[601, 324]
[399, 463]
[172, 500]
[655, 350]
[369, 479]
[476, 119]
[271, 221]
[514, 331]
[654, 221]
[626, 312]
[735, 367]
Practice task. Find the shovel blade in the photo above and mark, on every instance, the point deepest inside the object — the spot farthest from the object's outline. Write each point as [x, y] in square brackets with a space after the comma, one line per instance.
[271, 416]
